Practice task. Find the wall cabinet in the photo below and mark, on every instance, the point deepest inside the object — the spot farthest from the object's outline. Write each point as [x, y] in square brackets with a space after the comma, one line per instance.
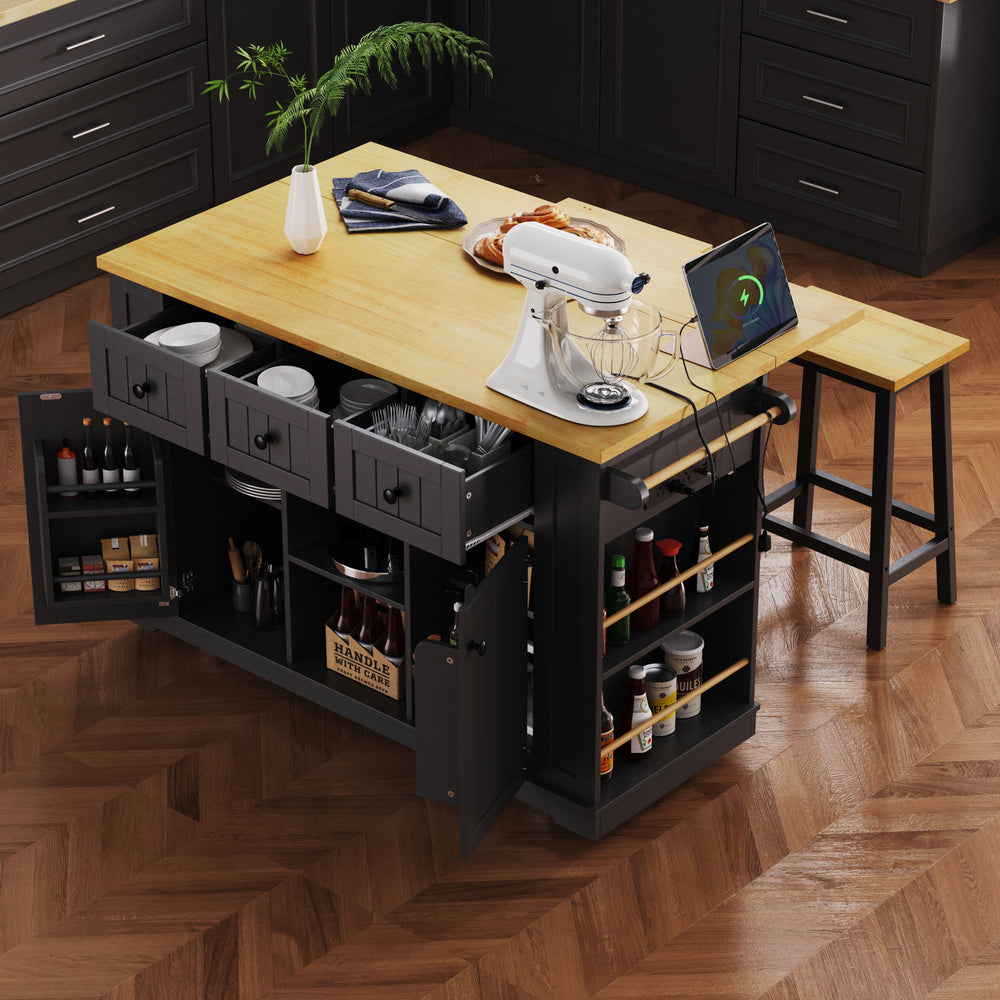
[513, 706]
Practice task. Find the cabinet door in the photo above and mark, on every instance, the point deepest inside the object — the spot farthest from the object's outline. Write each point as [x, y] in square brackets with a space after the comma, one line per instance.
[546, 69]
[419, 103]
[239, 135]
[669, 103]
[471, 703]
[71, 521]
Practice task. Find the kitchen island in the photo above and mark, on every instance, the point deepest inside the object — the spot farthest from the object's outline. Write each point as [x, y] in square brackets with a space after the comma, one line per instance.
[514, 706]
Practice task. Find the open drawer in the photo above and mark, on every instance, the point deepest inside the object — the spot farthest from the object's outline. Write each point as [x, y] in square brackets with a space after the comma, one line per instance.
[164, 393]
[420, 498]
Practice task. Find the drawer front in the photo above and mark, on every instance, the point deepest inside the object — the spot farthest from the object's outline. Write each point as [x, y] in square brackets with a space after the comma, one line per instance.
[815, 181]
[835, 102]
[105, 207]
[281, 443]
[84, 41]
[61, 137]
[423, 500]
[893, 36]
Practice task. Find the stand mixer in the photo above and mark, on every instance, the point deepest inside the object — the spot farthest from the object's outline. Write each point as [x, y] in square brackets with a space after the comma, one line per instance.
[579, 376]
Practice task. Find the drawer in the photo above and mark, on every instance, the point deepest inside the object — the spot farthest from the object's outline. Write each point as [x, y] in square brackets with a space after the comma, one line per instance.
[84, 41]
[423, 500]
[275, 440]
[105, 207]
[834, 101]
[816, 181]
[89, 126]
[151, 387]
[893, 36]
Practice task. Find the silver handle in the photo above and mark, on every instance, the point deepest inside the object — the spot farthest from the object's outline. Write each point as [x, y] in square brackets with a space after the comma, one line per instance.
[818, 100]
[94, 215]
[87, 131]
[819, 187]
[828, 17]
[86, 41]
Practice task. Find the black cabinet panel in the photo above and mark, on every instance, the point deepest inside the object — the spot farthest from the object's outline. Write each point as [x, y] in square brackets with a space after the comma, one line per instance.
[546, 67]
[87, 40]
[672, 113]
[66, 135]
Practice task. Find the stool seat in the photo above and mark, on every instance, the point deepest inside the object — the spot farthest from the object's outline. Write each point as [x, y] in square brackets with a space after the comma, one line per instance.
[883, 354]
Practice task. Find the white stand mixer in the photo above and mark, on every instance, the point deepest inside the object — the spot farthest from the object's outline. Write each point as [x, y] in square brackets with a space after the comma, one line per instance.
[577, 379]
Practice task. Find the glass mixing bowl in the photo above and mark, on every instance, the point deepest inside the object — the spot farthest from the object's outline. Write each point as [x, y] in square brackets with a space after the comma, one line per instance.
[599, 355]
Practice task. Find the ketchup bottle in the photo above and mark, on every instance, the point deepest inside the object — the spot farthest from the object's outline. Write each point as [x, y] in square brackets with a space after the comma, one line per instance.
[641, 579]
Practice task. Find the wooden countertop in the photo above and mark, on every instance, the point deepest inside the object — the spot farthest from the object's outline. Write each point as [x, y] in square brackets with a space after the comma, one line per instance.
[18, 10]
[414, 308]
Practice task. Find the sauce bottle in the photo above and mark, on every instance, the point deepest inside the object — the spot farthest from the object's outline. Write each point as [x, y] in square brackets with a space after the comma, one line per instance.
[672, 601]
[616, 597]
[641, 579]
[607, 736]
[705, 580]
[639, 745]
[66, 468]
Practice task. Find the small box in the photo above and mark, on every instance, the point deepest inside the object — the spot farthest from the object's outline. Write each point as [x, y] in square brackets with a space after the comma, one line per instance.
[145, 556]
[69, 566]
[117, 559]
[90, 565]
[351, 659]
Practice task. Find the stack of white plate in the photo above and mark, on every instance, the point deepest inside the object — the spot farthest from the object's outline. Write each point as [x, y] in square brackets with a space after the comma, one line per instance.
[197, 342]
[235, 345]
[252, 487]
[291, 382]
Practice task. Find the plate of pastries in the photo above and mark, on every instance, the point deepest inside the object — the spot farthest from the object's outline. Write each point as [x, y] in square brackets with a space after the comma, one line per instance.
[484, 243]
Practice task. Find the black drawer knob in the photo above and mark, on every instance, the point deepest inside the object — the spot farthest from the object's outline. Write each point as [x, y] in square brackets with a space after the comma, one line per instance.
[392, 493]
[261, 441]
[477, 647]
[140, 389]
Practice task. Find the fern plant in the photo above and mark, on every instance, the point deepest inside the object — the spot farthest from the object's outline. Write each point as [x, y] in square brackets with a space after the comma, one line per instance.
[387, 51]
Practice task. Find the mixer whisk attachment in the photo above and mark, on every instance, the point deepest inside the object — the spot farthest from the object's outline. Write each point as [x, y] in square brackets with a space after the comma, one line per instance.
[614, 357]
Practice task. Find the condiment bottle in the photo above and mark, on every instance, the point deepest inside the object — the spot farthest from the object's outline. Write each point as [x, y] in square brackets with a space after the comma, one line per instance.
[66, 468]
[641, 579]
[453, 634]
[607, 736]
[130, 464]
[705, 580]
[672, 601]
[393, 644]
[641, 744]
[110, 471]
[368, 631]
[348, 617]
[89, 472]
[616, 597]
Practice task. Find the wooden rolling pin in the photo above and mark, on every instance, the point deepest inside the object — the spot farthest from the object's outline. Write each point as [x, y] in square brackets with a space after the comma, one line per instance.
[236, 561]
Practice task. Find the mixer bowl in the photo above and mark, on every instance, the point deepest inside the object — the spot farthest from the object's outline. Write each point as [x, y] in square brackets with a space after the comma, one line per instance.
[597, 356]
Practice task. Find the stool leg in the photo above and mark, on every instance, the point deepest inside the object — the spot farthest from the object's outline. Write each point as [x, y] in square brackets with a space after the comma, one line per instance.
[881, 526]
[805, 456]
[944, 501]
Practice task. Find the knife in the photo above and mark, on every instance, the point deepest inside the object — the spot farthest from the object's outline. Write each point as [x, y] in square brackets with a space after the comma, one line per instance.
[377, 201]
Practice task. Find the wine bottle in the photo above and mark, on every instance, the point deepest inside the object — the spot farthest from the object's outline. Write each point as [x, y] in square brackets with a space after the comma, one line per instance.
[617, 597]
[130, 464]
[89, 471]
[110, 470]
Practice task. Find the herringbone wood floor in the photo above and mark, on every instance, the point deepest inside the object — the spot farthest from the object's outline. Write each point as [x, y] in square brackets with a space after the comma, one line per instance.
[172, 828]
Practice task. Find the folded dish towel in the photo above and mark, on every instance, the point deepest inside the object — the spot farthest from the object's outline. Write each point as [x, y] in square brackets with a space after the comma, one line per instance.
[401, 199]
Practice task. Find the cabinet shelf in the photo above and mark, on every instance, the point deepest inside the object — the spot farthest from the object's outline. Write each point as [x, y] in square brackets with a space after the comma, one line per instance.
[315, 558]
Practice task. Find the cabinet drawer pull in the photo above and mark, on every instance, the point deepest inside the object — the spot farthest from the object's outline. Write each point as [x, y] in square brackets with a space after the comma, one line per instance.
[88, 131]
[392, 493]
[86, 41]
[477, 647]
[140, 389]
[828, 17]
[94, 215]
[261, 441]
[820, 187]
[826, 104]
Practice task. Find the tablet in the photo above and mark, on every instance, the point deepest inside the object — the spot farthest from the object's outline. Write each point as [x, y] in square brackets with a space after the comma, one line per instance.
[740, 296]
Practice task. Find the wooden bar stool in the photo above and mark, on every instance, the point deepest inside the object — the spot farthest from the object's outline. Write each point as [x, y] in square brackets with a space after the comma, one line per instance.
[883, 354]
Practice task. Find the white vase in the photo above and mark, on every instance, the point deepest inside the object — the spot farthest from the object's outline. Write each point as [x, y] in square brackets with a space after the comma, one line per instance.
[305, 219]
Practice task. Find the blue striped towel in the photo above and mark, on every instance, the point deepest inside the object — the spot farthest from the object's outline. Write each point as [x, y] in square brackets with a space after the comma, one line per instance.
[408, 187]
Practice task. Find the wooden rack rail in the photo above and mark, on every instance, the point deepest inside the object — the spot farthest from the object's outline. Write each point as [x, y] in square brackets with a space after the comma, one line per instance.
[670, 709]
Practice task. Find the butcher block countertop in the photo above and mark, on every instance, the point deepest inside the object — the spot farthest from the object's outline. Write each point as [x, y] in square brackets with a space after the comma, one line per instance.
[414, 308]
[18, 10]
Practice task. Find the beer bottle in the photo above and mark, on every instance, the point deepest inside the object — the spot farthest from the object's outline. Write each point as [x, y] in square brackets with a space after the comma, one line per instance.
[607, 736]
[616, 597]
[347, 617]
[368, 631]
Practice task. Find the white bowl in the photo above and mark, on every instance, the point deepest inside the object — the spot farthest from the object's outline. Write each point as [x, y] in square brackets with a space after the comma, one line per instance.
[192, 338]
[288, 381]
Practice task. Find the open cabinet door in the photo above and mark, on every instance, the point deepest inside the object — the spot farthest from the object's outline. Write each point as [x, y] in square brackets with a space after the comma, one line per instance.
[471, 702]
